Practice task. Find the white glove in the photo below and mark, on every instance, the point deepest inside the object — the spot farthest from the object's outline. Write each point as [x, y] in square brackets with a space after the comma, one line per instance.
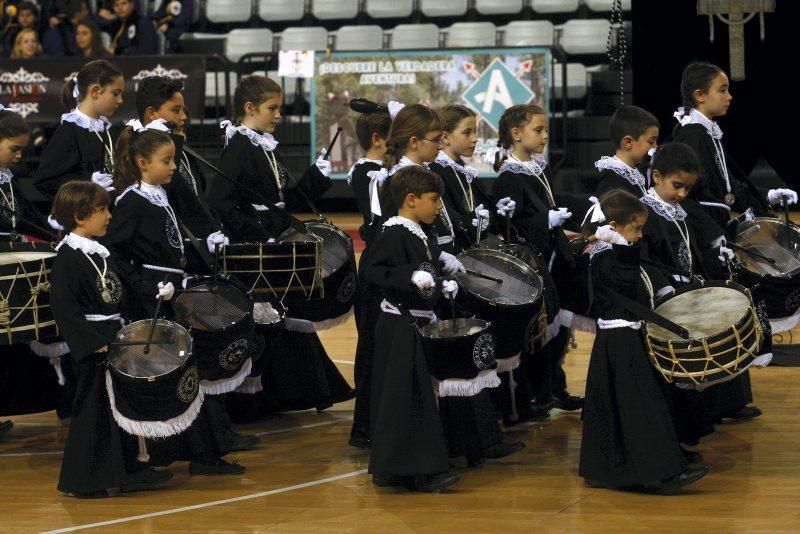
[719, 242]
[609, 235]
[725, 255]
[484, 224]
[664, 290]
[777, 196]
[394, 108]
[749, 216]
[281, 205]
[450, 289]
[450, 264]
[558, 217]
[186, 281]
[217, 238]
[104, 180]
[422, 279]
[54, 224]
[324, 166]
[483, 214]
[505, 207]
[165, 290]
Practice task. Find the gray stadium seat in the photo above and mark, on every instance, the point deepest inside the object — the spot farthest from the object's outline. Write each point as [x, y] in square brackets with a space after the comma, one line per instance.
[528, 33]
[277, 10]
[211, 88]
[247, 40]
[498, 7]
[605, 5]
[361, 37]
[471, 34]
[555, 6]
[577, 80]
[584, 36]
[438, 8]
[406, 36]
[223, 11]
[385, 9]
[306, 38]
[334, 9]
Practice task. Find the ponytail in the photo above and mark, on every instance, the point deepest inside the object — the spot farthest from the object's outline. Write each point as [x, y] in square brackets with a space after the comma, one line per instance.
[132, 145]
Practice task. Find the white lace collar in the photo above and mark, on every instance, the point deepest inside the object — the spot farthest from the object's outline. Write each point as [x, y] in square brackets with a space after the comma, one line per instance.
[664, 209]
[86, 122]
[5, 175]
[597, 246]
[409, 225]
[446, 161]
[359, 162]
[534, 167]
[264, 140]
[404, 162]
[154, 194]
[631, 174]
[695, 117]
[84, 244]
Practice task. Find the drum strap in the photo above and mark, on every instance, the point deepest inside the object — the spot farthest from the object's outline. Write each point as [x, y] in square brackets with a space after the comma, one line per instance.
[644, 313]
[199, 247]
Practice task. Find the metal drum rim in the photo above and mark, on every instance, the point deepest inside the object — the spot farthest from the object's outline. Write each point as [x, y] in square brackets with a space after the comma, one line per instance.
[513, 260]
[189, 349]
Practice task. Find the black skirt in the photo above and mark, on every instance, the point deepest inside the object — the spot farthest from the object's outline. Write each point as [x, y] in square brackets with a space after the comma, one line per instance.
[628, 435]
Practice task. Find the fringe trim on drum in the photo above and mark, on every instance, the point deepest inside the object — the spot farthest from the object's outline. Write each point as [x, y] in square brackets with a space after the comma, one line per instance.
[504, 365]
[562, 318]
[250, 386]
[154, 429]
[583, 323]
[461, 387]
[784, 324]
[299, 325]
[336, 321]
[49, 350]
[226, 385]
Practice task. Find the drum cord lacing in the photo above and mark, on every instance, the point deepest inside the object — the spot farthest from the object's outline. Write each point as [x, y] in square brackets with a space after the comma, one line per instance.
[6, 318]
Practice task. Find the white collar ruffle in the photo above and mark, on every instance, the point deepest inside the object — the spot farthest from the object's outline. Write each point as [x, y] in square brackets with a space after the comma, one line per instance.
[5, 175]
[695, 117]
[84, 244]
[631, 174]
[409, 225]
[154, 194]
[264, 140]
[534, 167]
[446, 161]
[597, 246]
[662, 208]
[86, 122]
[359, 162]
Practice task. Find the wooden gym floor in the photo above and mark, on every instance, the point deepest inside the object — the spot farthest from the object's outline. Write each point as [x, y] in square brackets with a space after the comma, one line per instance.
[305, 478]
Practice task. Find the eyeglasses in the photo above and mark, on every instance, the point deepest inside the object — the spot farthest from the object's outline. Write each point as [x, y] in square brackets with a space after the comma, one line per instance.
[437, 139]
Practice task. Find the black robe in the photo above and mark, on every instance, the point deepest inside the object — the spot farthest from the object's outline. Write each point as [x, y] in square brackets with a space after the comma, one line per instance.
[139, 41]
[25, 208]
[359, 182]
[628, 435]
[456, 200]
[610, 179]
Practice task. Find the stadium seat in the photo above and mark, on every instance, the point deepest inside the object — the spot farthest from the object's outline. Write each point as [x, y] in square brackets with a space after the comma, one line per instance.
[307, 38]
[577, 80]
[498, 7]
[334, 9]
[438, 8]
[246, 41]
[212, 90]
[555, 6]
[224, 11]
[279, 10]
[471, 34]
[528, 33]
[385, 9]
[605, 5]
[584, 36]
[409, 36]
[362, 37]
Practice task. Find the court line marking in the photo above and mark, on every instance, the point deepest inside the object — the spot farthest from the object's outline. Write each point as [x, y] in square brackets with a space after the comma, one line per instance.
[344, 362]
[211, 503]
[16, 454]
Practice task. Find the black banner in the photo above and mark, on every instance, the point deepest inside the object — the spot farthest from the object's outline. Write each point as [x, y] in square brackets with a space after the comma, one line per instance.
[32, 87]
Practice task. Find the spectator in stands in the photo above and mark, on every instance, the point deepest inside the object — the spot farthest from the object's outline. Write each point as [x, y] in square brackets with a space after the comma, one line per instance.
[26, 45]
[27, 17]
[88, 41]
[59, 39]
[132, 34]
[172, 18]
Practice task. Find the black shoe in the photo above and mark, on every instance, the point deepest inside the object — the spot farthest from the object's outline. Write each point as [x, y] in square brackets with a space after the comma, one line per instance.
[691, 475]
[564, 401]
[434, 483]
[144, 480]
[220, 467]
[5, 426]
[244, 442]
[99, 494]
[744, 414]
[501, 450]
[539, 412]
[389, 481]
[475, 461]
[359, 438]
[691, 456]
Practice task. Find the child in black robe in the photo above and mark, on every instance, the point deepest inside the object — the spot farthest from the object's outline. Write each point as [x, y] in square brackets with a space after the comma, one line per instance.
[82, 147]
[408, 443]
[628, 440]
[86, 298]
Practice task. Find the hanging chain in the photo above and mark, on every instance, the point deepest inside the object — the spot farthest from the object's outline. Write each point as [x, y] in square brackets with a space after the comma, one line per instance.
[617, 47]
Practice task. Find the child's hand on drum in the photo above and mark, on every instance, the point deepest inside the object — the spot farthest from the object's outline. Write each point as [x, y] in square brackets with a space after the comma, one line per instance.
[422, 279]
[450, 289]
[165, 291]
[778, 196]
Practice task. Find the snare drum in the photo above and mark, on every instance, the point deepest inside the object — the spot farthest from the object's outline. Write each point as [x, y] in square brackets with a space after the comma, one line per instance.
[338, 277]
[778, 283]
[153, 395]
[725, 334]
[460, 356]
[25, 292]
[219, 316]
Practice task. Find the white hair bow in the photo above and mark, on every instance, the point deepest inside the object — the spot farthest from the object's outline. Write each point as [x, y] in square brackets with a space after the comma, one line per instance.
[595, 213]
[492, 153]
[136, 124]
[75, 91]
[682, 116]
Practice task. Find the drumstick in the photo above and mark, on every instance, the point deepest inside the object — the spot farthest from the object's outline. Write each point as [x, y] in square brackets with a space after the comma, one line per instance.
[153, 326]
[485, 277]
[333, 142]
[753, 253]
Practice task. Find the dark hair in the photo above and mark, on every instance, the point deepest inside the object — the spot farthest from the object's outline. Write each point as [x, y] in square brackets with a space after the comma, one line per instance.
[26, 5]
[414, 120]
[130, 146]
[96, 46]
[630, 120]
[416, 180]
[73, 7]
[153, 91]
[372, 123]
[12, 124]
[254, 89]
[675, 157]
[453, 114]
[99, 72]
[621, 206]
[697, 75]
[513, 117]
[77, 200]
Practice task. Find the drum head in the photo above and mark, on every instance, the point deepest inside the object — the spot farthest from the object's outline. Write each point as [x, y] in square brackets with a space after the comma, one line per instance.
[7, 258]
[336, 245]
[703, 312]
[771, 238]
[454, 328]
[521, 284]
[171, 348]
[210, 305]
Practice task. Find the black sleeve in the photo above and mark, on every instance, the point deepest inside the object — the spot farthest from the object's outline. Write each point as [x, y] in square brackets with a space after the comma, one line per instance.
[313, 185]
[531, 222]
[389, 264]
[226, 198]
[60, 162]
[359, 182]
[119, 240]
[704, 226]
[610, 180]
[649, 245]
